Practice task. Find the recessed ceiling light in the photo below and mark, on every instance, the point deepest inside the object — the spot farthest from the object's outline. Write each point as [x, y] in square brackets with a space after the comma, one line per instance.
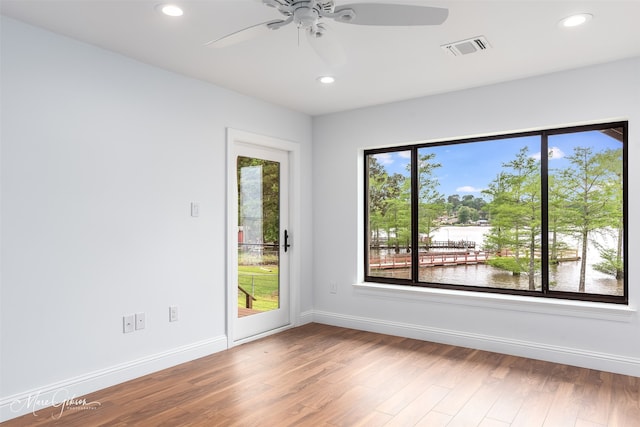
[171, 10]
[326, 80]
[575, 20]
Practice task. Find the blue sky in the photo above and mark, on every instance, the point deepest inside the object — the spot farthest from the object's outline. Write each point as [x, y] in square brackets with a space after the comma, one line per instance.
[463, 171]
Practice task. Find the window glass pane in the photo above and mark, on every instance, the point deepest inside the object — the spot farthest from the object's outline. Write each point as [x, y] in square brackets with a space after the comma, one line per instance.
[480, 214]
[389, 214]
[258, 235]
[586, 224]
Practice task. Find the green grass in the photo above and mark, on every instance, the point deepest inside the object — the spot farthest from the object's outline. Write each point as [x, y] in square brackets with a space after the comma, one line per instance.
[262, 282]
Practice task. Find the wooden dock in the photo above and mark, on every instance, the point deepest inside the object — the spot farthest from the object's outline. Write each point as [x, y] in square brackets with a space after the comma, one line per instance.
[432, 259]
[451, 244]
[440, 259]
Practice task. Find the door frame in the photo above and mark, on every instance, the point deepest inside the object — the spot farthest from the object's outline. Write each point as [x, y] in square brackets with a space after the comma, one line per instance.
[234, 137]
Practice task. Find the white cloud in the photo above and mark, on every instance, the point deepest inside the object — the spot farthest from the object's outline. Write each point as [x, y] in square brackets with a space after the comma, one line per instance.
[405, 154]
[554, 154]
[468, 189]
[384, 158]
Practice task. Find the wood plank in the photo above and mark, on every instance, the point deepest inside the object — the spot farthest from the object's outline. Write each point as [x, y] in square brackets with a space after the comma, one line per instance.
[489, 422]
[419, 407]
[595, 396]
[476, 408]
[564, 408]
[534, 410]
[434, 419]
[626, 410]
[405, 396]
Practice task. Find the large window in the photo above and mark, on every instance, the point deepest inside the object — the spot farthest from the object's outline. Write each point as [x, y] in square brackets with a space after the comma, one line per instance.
[538, 213]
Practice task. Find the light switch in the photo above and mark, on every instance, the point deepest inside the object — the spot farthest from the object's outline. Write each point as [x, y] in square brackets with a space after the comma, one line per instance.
[173, 313]
[195, 209]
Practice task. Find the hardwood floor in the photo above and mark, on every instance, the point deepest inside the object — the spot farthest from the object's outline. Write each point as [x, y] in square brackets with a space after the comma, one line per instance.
[318, 375]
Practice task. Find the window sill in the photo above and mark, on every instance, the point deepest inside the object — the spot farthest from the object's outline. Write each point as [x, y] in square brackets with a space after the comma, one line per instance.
[549, 306]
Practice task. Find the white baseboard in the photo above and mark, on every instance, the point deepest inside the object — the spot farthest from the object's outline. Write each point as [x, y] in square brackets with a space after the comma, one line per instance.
[565, 355]
[305, 317]
[66, 392]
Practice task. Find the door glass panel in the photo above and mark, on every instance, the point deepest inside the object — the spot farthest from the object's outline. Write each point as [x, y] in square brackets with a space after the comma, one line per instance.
[258, 235]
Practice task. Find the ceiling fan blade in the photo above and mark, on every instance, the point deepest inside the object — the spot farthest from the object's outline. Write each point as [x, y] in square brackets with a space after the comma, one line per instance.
[242, 35]
[328, 48]
[391, 14]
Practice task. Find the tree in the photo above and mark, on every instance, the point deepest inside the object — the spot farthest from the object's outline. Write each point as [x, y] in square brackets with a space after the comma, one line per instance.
[590, 200]
[464, 215]
[431, 203]
[398, 223]
[467, 200]
[496, 241]
[265, 179]
[612, 257]
[557, 220]
[377, 179]
[389, 206]
[612, 161]
[515, 212]
[454, 199]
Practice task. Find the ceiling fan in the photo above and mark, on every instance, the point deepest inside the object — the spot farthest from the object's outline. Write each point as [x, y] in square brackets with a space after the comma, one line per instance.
[308, 15]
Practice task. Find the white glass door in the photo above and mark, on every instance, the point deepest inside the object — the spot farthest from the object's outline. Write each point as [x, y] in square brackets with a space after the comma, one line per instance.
[260, 282]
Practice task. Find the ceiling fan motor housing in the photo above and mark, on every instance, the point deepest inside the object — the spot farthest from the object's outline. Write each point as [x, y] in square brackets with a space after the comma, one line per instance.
[305, 13]
[305, 17]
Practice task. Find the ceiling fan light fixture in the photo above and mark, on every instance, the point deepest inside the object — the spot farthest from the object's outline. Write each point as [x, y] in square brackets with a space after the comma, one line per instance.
[575, 20]
[326, 80]
[171, 10]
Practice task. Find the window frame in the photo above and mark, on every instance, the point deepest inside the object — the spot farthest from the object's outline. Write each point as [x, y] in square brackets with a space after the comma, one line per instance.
[545, 292]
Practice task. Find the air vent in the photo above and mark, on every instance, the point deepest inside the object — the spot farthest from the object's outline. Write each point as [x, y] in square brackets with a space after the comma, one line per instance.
[465, 47]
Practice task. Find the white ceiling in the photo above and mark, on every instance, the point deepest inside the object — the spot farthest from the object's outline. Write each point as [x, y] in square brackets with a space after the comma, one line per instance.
[385, 64]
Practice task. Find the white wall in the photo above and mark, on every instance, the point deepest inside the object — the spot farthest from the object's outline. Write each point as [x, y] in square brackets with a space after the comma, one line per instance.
[101, 157]
[602, 336]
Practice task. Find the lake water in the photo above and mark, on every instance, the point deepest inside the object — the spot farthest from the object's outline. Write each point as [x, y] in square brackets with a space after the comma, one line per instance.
[562, 277]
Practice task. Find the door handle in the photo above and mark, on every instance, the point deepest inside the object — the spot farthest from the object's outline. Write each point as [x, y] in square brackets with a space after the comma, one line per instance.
[286, 240]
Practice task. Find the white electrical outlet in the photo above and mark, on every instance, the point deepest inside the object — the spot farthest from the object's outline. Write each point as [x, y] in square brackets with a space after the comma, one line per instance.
[128, 323]
[333, 287]
[141, 321]
[173, 313]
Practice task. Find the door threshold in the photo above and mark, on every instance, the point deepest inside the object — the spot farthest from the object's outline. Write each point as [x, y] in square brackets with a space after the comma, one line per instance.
[261, 335]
